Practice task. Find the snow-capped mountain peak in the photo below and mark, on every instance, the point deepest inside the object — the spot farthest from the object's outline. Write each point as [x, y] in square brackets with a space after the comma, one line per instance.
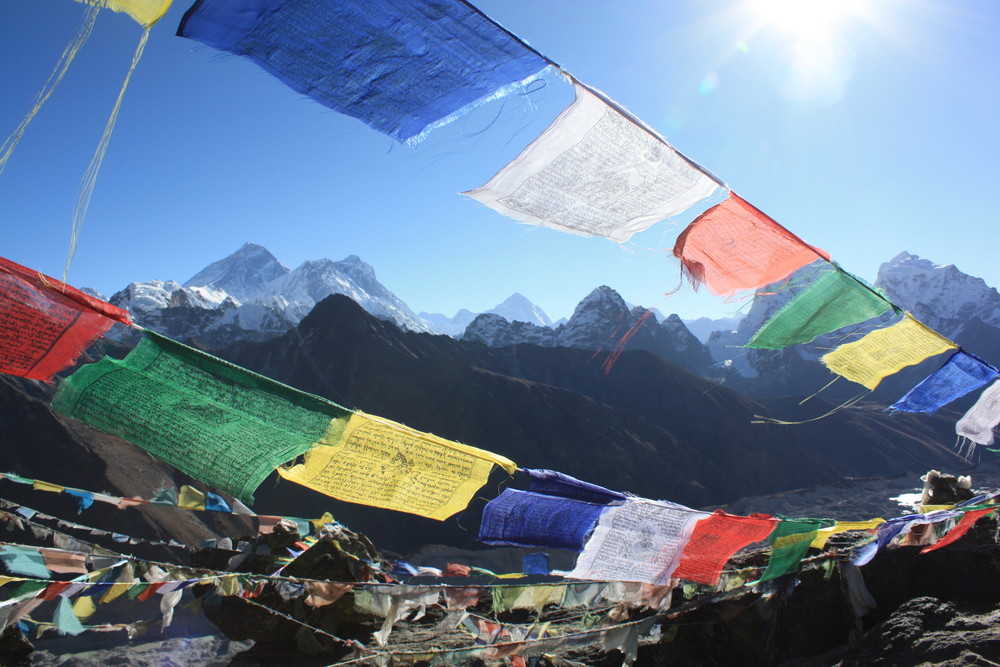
[155, 295]
[314, 280]
[245, 274]
[517, 308]
[941, 296]
[601, 321]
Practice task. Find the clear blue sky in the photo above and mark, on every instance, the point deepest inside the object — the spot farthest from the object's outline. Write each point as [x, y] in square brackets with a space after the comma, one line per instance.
[866, 134]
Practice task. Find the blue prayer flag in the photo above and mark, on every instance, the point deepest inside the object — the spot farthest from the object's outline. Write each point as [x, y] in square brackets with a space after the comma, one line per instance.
[536, 563]
[526, 519]
[85, 498]
[555, 483]
[216, 503]
[401, 66]
[961, 374]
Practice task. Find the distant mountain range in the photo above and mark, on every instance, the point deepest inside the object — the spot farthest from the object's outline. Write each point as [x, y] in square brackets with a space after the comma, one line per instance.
[251, 296]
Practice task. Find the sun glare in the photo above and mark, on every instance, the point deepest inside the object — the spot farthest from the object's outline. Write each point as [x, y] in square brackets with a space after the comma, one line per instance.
[807, 19]
[816, 66]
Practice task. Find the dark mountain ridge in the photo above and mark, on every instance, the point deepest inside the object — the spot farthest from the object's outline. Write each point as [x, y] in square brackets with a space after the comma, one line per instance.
[648, 427]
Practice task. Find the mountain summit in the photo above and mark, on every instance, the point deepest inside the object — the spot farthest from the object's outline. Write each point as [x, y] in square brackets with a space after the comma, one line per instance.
[251, 295]
[244, 275]
[940, 296]
[601, 321]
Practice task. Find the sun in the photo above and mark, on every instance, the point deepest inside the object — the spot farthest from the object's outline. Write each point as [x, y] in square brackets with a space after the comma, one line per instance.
[816, 64]
[807, 19]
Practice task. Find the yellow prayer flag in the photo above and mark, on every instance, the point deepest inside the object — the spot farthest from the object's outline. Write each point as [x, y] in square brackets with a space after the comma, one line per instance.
[121, 586]
[143, 12]
[115, 591]
[84, 607]
[796, 538]
[825, 534]
[318, 524]
[46, 486]
[886, 351]
[926, 509]
[528, 597]
[6, 580]
[190, 498]
[378, 462]
[228, 585]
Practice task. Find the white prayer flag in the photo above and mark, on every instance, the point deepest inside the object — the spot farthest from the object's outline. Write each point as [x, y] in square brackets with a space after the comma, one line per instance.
[597, 173]
[978, 423]
[641, 540]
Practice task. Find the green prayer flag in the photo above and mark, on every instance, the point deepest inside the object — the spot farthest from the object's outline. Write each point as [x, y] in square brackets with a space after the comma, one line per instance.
[28, 588]
[221, 424]
[789, 543]
[136, 590]
[836, 299]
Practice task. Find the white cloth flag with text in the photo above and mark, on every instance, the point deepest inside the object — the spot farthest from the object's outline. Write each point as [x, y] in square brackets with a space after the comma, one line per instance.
[641, 540]
[595, 172]
[978, 423]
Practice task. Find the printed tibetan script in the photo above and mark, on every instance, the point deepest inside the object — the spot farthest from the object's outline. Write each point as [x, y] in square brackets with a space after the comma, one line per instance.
[638, 541]
[384, 464]
[597, 173]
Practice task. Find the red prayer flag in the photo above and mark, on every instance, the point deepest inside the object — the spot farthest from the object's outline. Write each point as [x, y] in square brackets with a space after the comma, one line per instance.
[150, 591]
[714, 540]
[734, 246]
[968, 520]
[53, 590]
[64, 562]
[45, 324]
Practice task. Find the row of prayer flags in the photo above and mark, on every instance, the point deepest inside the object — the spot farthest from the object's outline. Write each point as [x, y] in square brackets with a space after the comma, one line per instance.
[836, 299]
[596, 170]
[651, 542]
[789, 540]
[405, 67]
[225, 404]
[187, 498]
[220, 423]
[230, 428]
